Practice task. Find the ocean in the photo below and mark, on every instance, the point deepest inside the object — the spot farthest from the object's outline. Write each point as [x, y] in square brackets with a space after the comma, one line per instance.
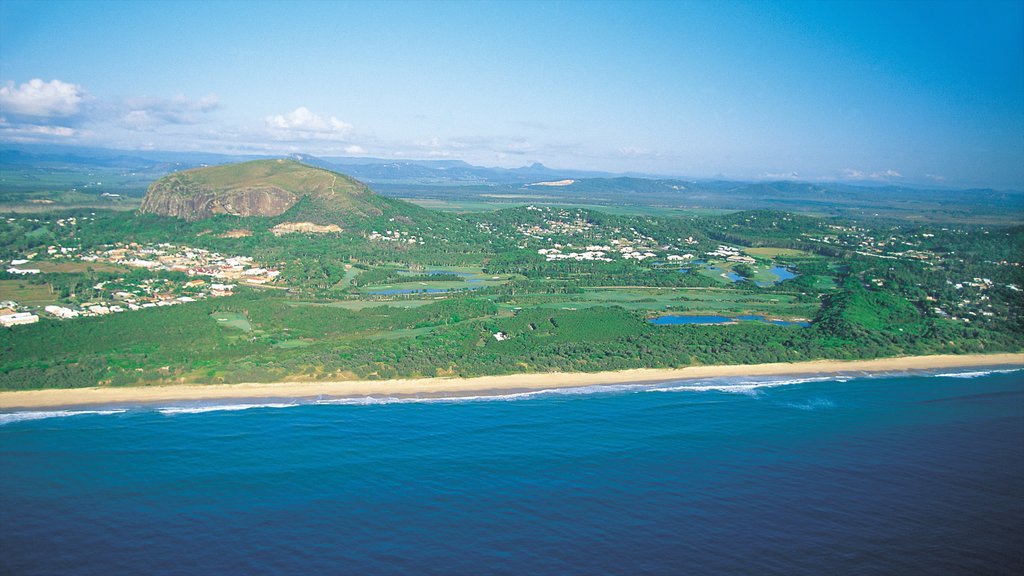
[895, 474]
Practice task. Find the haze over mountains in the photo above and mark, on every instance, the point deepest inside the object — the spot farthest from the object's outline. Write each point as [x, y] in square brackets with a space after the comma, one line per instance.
[25, 169]
[371, 169]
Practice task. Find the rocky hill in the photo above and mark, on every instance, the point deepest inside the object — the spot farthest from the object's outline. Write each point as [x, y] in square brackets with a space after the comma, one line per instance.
[263, 188]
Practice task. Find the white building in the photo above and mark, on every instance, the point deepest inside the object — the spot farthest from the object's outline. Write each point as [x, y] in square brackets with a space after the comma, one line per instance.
[17, 318]
[61, 312]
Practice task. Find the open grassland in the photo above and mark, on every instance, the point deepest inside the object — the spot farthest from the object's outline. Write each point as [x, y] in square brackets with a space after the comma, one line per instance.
[26, 294]
[768, 252]
[470, 278]
[476, 205]
[356, 305]
[234, 320]
[690, 300]
[84, 182]
[462, 206]
[48, 266]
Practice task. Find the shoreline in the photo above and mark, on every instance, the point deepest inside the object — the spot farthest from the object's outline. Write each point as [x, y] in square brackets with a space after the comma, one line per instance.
[455, 387]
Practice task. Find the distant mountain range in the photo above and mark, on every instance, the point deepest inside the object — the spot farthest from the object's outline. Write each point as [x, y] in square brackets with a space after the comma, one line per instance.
[30, 166]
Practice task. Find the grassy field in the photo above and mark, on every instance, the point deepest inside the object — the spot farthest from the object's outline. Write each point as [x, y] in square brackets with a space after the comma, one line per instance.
[696, 300]
[824, 282]
[466, 206]
[363, 304]
[473, 278]
[295, 343]
[26, 294]
[234, 320]
[462, 206]
[86, 182]
[47, 266]
[768, 252]
[403, 333]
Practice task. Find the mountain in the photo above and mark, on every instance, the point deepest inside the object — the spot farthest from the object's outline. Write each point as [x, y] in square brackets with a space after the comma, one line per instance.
[264, 188]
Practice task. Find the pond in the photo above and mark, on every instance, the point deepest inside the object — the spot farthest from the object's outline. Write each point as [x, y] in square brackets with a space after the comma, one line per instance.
[783, 273]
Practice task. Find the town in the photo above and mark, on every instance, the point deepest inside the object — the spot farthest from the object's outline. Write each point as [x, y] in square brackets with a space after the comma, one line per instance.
[177, 274]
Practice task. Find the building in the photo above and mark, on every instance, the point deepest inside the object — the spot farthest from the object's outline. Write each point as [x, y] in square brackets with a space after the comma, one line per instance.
[61, 312]
[18, 318]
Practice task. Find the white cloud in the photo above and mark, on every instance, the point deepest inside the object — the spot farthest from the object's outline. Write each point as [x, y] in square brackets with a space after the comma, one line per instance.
[433, 143]
[354, 149]
[52, 130]
[33, 130]
[853, 174]
[794, 175]
[148, 113]
[53, 99]
[302, 123]
[20, 132]
[632, 151]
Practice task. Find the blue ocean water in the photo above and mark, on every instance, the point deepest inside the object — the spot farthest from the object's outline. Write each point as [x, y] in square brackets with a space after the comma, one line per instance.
[907, 474]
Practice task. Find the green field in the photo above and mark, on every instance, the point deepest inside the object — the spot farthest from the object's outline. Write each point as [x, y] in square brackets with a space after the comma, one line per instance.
[234, 320]
[48, 266]
[402, 333]
[767, 252]
[294, 343]
[26, 294]
[473, 278]
[469, 206]
[691, 300]
[356, 305]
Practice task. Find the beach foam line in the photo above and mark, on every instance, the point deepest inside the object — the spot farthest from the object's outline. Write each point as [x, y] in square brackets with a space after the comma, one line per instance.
[977, 373]
[173, 410]
[12, 417]
[510, 396]
[743, 386]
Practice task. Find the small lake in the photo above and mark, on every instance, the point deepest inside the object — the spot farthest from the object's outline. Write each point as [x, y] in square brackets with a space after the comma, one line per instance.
[783, 273]
[678, 319]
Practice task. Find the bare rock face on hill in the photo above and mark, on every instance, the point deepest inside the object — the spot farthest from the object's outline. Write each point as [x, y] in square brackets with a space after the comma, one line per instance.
[260, 188]
[267, 201]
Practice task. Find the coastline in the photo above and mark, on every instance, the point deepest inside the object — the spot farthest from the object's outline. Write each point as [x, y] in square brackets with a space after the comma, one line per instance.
[100, 396]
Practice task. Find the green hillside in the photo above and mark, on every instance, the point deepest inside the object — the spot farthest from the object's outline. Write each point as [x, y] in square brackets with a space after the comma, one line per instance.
[266, 188]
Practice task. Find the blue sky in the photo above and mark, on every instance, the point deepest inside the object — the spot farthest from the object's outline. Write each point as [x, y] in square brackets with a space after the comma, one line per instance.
[907, 92]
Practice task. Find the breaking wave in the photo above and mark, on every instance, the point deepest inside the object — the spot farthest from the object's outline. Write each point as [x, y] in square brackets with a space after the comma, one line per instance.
[11, 417]
[977, 373]
[172, 410]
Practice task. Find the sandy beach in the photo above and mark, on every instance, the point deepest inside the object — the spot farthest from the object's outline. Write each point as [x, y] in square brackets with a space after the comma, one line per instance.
[77, 397]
